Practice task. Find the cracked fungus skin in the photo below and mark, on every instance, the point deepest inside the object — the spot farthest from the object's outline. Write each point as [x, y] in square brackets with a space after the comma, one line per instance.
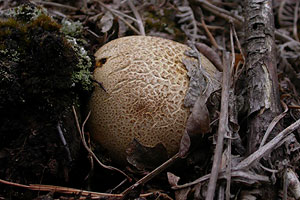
[146, 83]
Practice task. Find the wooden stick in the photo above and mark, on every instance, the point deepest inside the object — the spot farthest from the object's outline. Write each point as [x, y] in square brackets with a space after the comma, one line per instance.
[223, 126]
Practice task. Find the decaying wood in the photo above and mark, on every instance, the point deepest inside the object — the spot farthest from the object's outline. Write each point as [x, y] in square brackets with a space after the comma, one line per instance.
[262, 89]
[261, 79]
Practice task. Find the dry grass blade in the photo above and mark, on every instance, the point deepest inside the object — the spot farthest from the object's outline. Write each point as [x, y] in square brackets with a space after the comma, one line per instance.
[273, 124]
[229, 156]
[138, 17]
[247, 177]
[223, 127]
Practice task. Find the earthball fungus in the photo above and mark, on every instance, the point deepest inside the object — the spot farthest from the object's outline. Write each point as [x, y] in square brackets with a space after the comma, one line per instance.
[143, 86]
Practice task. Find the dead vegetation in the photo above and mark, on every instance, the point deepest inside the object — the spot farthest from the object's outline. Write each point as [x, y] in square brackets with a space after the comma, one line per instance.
[252, 150]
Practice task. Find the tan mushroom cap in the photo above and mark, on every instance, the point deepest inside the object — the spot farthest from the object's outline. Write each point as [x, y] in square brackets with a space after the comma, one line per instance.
[145, 82]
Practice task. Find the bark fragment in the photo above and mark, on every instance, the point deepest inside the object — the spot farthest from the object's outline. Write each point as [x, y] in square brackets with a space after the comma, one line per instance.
[262, 88]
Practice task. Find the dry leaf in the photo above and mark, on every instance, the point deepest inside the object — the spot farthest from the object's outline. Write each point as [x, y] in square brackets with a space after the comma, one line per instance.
[185, 144]
[199, 85]
[173, 179]
[197, 125]
[198, 92]
[182, 194]
[179, 194]
[145, 158]
[198, 121]
[106, 22]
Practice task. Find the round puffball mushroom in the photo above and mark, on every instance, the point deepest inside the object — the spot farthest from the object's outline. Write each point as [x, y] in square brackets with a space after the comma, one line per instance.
[144, 85]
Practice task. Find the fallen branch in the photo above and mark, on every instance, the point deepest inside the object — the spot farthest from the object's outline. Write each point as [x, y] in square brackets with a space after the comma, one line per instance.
[66, 190]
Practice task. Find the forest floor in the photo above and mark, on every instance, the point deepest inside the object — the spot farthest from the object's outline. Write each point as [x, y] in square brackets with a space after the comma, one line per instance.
[36, 163]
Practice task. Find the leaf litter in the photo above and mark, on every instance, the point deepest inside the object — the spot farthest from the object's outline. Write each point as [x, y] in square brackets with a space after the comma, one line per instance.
[120, 19]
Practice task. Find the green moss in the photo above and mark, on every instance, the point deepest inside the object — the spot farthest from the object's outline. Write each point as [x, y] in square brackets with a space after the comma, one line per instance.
[11, 54]
[42, 75]
[82, 75]
[18, 35]
[24, 13]
[72, 29]
[11, 26]
[51, 68]
[45, 22]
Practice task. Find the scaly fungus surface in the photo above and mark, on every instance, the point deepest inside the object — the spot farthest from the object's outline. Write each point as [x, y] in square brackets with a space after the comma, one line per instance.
[145, 84]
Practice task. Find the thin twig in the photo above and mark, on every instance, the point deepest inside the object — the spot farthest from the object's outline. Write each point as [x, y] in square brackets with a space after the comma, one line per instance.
[220, 192]
[92, 33]
[295, 27]
[247, 176]
[118, 14]
[267, 148]
[221, 12]
[223, 126]
[57, 5]
[211, 27]
[208, 33]
[228, 169]
[66, 190]
[81, 132]
[232, 49]
[236, 19]
[138, 17]
[268, 169]
[116, 11]
[152, 174]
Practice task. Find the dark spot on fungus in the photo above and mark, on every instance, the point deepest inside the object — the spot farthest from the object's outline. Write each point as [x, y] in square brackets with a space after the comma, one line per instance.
[100, 62]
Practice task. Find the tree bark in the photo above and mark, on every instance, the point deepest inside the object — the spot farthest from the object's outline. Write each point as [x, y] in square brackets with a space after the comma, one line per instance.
[262, 83]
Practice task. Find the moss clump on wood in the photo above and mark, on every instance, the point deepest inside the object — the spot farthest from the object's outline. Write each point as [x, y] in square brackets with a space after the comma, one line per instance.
[73, 32]
[38, 64]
